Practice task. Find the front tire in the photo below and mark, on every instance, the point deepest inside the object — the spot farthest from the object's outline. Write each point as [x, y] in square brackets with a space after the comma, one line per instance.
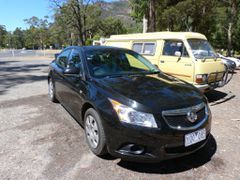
[51, 91]
[94, 132]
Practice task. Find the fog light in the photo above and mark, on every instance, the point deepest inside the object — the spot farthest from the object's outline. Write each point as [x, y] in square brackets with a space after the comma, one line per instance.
[132, 149]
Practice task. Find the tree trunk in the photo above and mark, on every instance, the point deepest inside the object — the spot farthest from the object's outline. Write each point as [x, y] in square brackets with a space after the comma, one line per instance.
[233, 4]
[152, 16]
[229, 32]
[145, 24]
[84, 33]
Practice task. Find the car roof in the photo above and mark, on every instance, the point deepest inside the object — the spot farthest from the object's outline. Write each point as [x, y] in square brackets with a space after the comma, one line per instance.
[87, 48]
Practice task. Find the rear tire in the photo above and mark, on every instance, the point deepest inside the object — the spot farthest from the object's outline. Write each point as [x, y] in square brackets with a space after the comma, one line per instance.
[51, 91]
[94, 132]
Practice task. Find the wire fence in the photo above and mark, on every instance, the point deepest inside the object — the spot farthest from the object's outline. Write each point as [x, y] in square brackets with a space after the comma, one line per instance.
[27, 53]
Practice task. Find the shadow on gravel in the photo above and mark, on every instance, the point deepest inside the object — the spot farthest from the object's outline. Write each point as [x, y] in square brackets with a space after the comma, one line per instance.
[12, 75]
[218, 97]
[7, 62]
[185, 163]
[24, 68]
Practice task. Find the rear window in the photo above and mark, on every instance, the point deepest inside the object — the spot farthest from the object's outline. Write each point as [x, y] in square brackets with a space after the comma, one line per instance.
[144, 48]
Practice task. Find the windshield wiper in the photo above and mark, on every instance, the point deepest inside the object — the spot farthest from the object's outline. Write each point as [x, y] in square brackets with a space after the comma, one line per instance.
[132, 74]
[115, 75]
[152, 72]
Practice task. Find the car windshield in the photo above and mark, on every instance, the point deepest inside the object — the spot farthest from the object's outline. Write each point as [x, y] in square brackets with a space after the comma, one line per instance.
[201, 48]
[115, 62]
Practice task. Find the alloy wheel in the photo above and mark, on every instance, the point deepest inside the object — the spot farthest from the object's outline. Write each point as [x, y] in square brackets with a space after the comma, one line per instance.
[92, 131]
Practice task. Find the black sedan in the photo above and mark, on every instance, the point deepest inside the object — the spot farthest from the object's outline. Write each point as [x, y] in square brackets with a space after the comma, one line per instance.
[127, 106]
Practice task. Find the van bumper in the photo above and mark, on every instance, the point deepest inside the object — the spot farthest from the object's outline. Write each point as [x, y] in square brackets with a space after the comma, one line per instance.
[208, 87]
[203, 87]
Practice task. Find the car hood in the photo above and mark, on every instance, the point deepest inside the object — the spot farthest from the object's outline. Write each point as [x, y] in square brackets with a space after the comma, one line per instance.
[154, 92]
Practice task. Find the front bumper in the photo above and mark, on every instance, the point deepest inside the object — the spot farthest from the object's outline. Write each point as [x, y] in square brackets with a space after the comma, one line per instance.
[215, 80]
[140, 144]
[203, 87]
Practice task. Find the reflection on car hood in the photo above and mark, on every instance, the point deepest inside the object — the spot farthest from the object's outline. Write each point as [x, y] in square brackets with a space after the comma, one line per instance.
[155, 92]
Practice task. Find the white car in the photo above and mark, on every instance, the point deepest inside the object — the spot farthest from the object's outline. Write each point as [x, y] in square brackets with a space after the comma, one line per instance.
[237, 61]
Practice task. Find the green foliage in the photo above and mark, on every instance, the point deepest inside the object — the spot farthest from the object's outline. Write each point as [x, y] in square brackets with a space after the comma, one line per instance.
[3, 35]
[219, 20]
[111, 26]
[18, 38]
[139, 9]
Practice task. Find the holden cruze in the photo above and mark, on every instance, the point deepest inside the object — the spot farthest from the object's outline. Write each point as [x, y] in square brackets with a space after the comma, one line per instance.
[127, 106]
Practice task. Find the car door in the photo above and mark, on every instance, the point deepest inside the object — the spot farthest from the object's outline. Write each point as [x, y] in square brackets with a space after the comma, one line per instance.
[75, 85]
[58, 74]
[175, 60]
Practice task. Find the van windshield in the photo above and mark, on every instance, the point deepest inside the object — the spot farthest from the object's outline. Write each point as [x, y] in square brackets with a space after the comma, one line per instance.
[201, 49]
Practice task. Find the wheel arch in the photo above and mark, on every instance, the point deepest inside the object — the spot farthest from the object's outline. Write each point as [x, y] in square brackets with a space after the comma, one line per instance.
[84, 109]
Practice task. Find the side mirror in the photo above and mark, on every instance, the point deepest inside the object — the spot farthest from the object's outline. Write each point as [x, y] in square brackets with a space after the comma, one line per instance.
[71, 71]
[178, 54]
[156, 66]
[56, 55]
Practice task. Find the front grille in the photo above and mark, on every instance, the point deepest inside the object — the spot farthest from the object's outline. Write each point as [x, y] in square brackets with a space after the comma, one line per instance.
[178, 118]
[182, 120]
[215, 77]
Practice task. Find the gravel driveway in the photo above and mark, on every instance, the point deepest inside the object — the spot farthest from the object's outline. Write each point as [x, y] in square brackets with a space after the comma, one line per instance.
[40, 140]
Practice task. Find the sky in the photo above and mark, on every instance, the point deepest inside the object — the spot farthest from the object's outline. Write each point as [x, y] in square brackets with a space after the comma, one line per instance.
[13, 12]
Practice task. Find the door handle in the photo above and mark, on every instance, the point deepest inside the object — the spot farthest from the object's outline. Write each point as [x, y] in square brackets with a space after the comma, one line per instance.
[162, 61]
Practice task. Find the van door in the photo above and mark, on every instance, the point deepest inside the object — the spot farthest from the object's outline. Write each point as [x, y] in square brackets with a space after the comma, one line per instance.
[175, 60]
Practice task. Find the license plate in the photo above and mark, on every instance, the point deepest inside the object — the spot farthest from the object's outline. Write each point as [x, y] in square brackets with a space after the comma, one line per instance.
[195, 137]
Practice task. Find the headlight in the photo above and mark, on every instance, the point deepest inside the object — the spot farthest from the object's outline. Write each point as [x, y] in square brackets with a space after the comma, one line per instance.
[129, 115]
[201, 78]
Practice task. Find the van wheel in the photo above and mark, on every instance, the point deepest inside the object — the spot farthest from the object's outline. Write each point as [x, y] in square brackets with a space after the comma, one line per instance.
[51, 91]
[94, 132]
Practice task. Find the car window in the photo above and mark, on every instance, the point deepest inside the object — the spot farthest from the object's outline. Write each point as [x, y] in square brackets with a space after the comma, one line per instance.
[62, 58]
[147, 48]
[137, 47]
[74, 59]
[135, 63]
[105, 62]
[171, 46]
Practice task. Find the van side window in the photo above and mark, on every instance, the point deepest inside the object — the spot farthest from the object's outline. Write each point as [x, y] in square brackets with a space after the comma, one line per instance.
[62, 59]
[137, 47]
[171, 46]
[147, 48]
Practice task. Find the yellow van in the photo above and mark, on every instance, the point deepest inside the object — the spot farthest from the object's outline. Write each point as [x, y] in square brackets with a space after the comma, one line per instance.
[186, 55]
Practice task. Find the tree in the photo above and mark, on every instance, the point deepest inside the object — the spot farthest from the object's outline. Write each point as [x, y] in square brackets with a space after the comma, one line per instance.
[231, 22]
[110, 26]
[38, 32]
[79, 16]
[3, 34]
[176, 15]
[18, 38]
[146, 10]
[31, 38]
